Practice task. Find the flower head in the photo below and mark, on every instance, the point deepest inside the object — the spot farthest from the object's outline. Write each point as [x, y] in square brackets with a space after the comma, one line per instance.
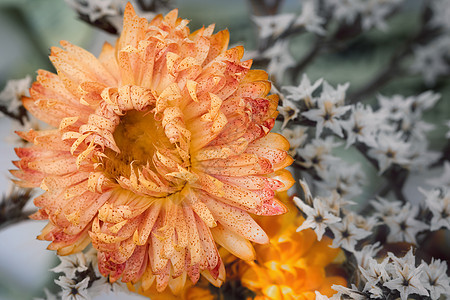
[293, 264]
[161, 148]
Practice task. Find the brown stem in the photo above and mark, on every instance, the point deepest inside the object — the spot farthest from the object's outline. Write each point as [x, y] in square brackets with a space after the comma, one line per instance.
[261, 8]
[19, 218]
[375, 84]
[393, 69]
[301, 65]
[19, 116]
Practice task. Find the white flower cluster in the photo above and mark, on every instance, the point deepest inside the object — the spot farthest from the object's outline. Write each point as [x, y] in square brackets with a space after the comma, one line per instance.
[437, 203]
[371, 13]
[111, 10]
[432, 59]
[394, 134]
[388, 275]
[273, 33]
[400, 218]
[81, 279]
[335, 21]
[332, 213]
[397, 277]
[404, 221]
[400, 132]
[277, 25]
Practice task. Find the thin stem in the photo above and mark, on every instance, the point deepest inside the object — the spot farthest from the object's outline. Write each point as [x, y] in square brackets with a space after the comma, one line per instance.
[301, 65]
[19, 218]
[394, 68]
[261, 8]
[19, 116]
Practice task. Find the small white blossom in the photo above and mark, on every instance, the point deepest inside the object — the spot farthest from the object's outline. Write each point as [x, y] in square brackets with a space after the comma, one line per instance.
[317, 217]
[344, 10]
[438, 202]
[296, 136]
[406, 277]
[361, 125]
[375, 12]
[303, 91]
[420, 157]
[15, 89]
[395, 107]
[372, 13]
[374, 273]
[317, 154]
[103, 286]
[408, 259]
[403, 227]
[368, 251]
[334, 202]
[71, 264]
[435, 279]
[95, 9]
[347, 235]
[343, 178]
[335, 95]
[390, 149]
[289, 111]
[431, 60]
[280, 59]
[441, 13]
[415, 129]
[71, 290]
[424, 101]
[364, 222]
[273, 26]
[112, 10]
[327, 115]
[386, 208]
[310, 19]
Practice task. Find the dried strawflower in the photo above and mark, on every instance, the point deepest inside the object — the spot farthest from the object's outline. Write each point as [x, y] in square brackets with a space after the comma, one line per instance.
[293, 265]
[161, 148]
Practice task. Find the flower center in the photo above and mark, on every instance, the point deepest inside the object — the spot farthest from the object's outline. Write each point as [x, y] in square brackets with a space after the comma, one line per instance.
[138, 136]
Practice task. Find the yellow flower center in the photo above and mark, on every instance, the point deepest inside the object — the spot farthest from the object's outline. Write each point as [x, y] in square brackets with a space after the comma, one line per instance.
[139, 137]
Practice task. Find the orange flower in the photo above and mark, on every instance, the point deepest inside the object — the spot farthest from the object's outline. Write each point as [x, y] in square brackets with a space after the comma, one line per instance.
[292, 265]
[161, 148]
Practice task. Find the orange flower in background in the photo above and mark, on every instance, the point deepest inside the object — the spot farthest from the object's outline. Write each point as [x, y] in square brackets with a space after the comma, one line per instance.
[161, 149]
[293, 265]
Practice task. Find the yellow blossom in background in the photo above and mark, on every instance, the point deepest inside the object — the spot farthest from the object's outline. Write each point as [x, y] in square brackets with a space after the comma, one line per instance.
[293, 265]
[160, 149]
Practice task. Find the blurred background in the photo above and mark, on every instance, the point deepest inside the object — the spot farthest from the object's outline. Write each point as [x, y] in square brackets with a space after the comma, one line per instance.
[28, 28]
